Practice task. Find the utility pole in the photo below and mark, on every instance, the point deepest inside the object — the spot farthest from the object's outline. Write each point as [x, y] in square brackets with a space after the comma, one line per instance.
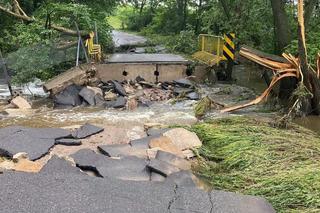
[6, 74]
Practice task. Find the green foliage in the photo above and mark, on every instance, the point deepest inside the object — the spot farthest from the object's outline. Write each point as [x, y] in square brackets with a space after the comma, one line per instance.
[33, 46]
[313, 45]
[258, 159]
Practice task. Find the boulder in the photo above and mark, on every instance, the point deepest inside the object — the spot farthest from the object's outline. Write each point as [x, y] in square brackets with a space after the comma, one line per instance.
[96, 90]
[88, 95]
[183, 139]
[20, 103]
[69, 96]
[86, 131]
[165, 144]
[120, 102]
[119, 88]
[99, 100]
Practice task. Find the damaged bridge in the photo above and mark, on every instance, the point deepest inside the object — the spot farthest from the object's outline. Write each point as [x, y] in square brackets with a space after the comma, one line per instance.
[121, 67]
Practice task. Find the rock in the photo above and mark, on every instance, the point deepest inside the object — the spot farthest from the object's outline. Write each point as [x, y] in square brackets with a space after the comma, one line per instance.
[86, 131]
[20, 156]
[173, 160]
[188, 154]
[69, 96]
[232, 202]
[88, 95]
[119, 88]
[99, 100]
[184, 83]
[120, 102]
[156, 131]
[68, 142]
[162, 168]
[165, 144]
[129, 89]
[193, 96]
[120, 150]
[182, 179]
[183, 139]
[132, 104]
[96, 90]
[21, 103]
[110, 96]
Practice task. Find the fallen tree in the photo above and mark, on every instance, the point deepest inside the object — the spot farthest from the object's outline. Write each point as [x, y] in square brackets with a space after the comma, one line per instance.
[17, 12]
[308, 82]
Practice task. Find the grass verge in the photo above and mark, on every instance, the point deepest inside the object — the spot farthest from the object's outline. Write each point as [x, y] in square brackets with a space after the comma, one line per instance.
[253, 157]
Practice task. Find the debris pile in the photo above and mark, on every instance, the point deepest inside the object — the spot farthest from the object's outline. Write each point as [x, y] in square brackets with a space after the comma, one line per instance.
[126, 94]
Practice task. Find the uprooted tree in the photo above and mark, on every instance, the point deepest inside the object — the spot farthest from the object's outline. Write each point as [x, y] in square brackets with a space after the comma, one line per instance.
[306, 97]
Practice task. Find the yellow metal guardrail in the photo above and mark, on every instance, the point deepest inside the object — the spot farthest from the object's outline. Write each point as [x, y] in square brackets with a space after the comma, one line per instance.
[214, 49]
[94, 50]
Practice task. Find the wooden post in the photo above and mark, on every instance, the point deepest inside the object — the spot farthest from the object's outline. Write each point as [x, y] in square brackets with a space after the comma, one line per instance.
[6, 74]
[82, 44]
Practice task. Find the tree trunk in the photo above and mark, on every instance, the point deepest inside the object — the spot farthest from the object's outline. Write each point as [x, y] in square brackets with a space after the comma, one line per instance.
[282, 29]
[283, 39]
[310, 80]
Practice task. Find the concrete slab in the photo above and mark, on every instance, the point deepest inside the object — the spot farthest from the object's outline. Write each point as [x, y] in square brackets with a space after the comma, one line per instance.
[126, 168]
[35, 142]
[147, 58]
[86, 131]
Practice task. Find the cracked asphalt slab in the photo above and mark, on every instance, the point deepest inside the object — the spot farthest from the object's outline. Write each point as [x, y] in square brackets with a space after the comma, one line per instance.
[37, 142]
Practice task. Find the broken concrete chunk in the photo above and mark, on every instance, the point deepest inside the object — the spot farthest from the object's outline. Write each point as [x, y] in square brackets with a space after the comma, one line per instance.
[88, 95]
[120, 102]
[165, 144]
[20, 103]
[182, 179]
[69, 96]
[139, 78]
[162, 168]
[68, 142]
[119, 88]
[96, 90]
[173, 160]
[132, 104]
[184, 83]
[232, 202]
[99, 101]
[183, 138]
[86, 131]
